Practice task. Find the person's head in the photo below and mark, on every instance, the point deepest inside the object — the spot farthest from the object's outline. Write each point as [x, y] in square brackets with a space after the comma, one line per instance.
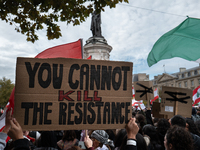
[99, 137]
[191, 127]
[155, 121]
[48, 139]
[141, 143]
[178, 138]
[119, 137]
[178, 120]
[162, 126]
[194, 111]
[151, 131]
[141, 121]
[69, 135]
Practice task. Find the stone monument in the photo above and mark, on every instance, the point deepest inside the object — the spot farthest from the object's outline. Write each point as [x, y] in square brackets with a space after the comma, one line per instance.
[97, 46]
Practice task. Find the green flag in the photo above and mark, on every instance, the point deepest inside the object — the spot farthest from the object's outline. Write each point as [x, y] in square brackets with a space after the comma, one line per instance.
[182, 41]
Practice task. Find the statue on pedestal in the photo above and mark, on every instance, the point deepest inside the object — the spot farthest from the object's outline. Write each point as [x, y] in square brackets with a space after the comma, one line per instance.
[96, 24]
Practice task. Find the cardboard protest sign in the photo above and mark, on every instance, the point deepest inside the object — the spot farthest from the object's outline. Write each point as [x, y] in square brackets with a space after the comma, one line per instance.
[143, 90]
[71, 94]
[156, 110]
[176, 101]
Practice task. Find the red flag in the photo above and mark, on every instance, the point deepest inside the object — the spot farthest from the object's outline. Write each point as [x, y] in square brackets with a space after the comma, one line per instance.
[69, 50]
[196, 95]
[155, 96]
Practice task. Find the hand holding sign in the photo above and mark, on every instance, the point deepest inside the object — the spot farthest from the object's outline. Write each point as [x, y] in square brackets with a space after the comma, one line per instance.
[88, 142]
[132, 129]
[15, 131]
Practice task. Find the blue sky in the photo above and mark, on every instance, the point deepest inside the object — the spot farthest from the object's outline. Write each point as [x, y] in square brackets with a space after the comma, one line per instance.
[131, 29]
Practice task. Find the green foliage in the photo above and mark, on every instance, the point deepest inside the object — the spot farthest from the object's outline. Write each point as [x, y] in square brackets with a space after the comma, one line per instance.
[31, 15]
[6, 88]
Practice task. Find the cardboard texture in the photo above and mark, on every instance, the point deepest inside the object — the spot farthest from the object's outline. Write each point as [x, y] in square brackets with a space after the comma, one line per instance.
[72, 94]
[143, 90]
[176, 101]
[156, 110]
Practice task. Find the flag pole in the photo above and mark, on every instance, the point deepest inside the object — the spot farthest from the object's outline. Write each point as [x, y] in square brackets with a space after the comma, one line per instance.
[82, 47]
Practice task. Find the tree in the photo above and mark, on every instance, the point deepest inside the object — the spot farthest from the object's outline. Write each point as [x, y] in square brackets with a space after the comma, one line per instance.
[6, 88]
[31, 15]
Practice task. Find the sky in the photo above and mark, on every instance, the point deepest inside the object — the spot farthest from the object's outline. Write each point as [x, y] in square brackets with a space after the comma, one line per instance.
[131, 29]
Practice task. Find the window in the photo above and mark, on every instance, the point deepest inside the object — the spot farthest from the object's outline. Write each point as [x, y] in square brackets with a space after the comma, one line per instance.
[189, 74]
[195, 72]
[185, 83]
[183, 75]
[199, 81]
[172, 85]
[192, 82]
[179, 84]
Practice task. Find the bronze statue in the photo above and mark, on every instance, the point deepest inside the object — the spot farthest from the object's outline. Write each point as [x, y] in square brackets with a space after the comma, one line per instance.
[96, 24]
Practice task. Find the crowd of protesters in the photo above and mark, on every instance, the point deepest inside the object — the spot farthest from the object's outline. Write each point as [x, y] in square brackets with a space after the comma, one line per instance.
[142, 132]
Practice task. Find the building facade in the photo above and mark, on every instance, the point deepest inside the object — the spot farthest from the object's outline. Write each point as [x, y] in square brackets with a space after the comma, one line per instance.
[185, 78]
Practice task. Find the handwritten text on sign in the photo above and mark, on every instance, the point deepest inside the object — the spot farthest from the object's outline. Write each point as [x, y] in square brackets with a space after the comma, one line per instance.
[54, 93]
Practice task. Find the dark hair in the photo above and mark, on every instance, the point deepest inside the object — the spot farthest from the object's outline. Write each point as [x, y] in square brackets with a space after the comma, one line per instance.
[178, 120]
[141, 144]
[133, 114]
[111, 134]
[192, 127]
[194, 111]
[179, 138]
[152, 133]
[140, 119]
[69, 135]
[119, 137]
[162, 126]
[48, 139]
[155, 120]
[197, 123]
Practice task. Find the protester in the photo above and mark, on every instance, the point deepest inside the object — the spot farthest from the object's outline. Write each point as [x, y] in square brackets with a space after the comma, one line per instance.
[119, 138]
[177, 138]
[141, 121]
[88, 143]
[140, 141]
[195, 116]
[48, 141]
[178, 120]
[191, 126]
[68, 140]
[101, 140]
[132, 130]
[151, 132]
[162, 126]
[198, 125]
[3, 134]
